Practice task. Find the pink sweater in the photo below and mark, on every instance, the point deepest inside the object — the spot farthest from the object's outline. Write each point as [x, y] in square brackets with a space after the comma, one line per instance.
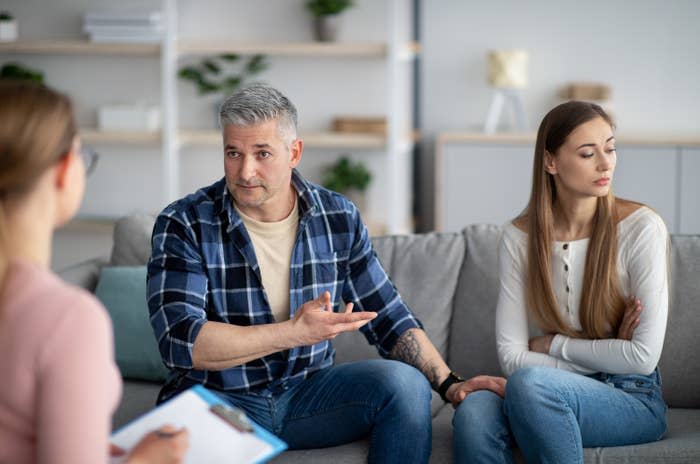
[58, 382]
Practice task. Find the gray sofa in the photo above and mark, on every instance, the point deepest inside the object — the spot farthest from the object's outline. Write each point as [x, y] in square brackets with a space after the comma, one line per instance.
[450, 281]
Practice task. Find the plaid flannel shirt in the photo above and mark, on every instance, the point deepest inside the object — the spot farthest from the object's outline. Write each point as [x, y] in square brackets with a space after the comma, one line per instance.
[203, 268]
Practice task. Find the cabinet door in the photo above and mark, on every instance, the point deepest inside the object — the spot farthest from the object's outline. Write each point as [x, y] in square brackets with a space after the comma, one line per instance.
[483, 184]
[690, 191]
[649, 175]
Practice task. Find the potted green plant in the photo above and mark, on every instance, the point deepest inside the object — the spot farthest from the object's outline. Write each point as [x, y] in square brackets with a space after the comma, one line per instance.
[216, 74]
[8, 27]
[20, 72]
[349, 178]
[222, 74]
[326, 15]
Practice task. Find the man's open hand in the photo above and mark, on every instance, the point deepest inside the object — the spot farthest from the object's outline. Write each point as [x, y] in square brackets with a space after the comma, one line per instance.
[315, 321]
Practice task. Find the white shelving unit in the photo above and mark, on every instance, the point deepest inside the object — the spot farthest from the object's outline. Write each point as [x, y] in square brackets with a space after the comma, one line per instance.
[391, 167]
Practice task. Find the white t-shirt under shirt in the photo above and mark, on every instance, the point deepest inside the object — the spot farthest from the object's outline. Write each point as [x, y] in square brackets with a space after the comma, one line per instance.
[642, 241]
[273, 243]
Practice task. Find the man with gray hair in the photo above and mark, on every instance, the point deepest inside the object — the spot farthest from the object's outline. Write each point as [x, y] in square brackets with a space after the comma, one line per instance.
[251, 277]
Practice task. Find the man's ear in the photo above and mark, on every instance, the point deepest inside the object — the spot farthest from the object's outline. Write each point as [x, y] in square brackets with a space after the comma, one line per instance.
[295, 152]
[550, 164]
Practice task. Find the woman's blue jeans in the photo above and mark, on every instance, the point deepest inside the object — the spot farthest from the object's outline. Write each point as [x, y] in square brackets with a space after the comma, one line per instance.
[388, 401]
[552, 414]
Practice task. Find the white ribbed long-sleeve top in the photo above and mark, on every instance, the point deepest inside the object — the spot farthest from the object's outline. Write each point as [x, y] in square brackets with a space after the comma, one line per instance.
[642, 268]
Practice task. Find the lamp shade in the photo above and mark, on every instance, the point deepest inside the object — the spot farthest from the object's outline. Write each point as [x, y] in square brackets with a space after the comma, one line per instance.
[508, 68]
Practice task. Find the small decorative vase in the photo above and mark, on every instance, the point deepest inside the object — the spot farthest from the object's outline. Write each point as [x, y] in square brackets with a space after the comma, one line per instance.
[326, 28]
[8, 30]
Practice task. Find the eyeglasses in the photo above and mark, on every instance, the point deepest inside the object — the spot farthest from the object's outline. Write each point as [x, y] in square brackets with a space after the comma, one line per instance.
[90, 157]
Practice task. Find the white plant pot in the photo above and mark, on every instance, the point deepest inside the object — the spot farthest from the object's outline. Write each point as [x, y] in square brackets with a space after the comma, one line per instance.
[8, 30]
[326, 28]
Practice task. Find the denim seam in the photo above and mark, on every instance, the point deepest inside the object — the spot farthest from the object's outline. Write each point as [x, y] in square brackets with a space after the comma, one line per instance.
[327, 410]
[573, 421]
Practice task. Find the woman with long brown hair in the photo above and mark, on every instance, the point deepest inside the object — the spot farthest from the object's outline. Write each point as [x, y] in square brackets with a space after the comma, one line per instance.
[59, 382]
[581, 312]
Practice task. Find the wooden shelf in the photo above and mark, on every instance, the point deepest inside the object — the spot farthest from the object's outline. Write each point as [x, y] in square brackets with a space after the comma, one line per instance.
[529, 138]
[311, 139]
[202, 47]
[316, 49]
[92, 135]
[78, 47]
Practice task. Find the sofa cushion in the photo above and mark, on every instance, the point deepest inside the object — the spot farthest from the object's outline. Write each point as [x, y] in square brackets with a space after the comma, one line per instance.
[138, 397]
[424, 268]
[681, 355]
[132, 240]
[123, 292]
[472, 337]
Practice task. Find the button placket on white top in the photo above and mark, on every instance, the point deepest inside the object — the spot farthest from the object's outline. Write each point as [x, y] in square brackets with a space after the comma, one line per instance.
[566, 258]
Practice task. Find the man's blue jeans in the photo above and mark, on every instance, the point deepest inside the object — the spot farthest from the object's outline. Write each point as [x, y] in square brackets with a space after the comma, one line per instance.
[552, 414]
[389, 401]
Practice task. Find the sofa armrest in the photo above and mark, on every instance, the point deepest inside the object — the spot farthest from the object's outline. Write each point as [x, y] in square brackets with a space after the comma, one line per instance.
[84, 274]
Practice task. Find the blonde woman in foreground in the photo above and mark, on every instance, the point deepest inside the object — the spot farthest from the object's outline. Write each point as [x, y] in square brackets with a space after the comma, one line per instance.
[590, 272]
[59, 381]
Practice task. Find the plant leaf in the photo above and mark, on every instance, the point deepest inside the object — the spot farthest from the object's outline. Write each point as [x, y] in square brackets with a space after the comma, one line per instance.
[230, 57]
[257, 64]
[211, 66]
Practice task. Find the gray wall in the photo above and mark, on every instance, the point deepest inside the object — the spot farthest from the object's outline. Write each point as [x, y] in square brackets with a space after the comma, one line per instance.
[648, 51]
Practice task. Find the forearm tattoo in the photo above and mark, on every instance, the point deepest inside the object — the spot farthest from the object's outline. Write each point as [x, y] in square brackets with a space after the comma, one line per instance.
[408, 349]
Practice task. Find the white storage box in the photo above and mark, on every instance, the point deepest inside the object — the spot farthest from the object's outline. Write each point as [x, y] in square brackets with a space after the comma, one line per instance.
[8, 30]
[128, 117]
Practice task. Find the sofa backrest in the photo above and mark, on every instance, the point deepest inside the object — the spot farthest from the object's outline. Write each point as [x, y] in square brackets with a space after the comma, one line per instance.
[680, 359]
[472, 348]
[437, 272]
[472, 341]
[424, 268]
[132, 240]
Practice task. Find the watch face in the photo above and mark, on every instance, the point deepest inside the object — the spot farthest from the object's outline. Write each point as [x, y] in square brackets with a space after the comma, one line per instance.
[458, 377]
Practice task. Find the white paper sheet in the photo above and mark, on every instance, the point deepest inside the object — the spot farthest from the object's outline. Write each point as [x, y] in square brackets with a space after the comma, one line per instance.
[212, 440]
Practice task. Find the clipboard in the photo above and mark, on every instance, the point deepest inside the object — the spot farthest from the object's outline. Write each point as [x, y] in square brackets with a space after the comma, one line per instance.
[218, 432]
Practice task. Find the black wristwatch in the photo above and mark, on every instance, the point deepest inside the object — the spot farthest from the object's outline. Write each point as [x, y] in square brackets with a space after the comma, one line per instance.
[447, 383]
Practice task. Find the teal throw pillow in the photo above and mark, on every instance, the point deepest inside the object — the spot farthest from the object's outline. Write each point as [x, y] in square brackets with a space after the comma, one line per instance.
[122, 289]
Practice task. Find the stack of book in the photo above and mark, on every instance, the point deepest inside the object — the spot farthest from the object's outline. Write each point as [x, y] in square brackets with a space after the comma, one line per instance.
[123, 26]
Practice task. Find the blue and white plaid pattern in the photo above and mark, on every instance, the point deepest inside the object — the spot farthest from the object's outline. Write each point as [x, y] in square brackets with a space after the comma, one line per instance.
[203, 268]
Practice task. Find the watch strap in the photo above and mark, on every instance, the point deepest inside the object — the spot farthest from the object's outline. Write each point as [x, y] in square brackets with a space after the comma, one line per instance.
[452, 378]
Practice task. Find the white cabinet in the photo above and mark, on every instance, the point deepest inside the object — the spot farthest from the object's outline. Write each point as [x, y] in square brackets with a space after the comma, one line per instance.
[486, 179]
[367, 72]
[483, 184]
[649, 175]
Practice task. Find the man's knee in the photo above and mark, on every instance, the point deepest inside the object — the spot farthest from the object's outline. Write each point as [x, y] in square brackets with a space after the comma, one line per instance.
[403, 386]
[405, 379]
